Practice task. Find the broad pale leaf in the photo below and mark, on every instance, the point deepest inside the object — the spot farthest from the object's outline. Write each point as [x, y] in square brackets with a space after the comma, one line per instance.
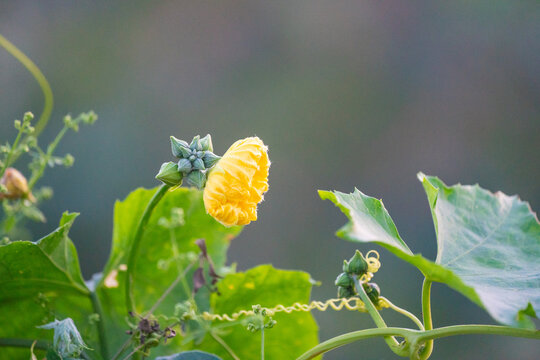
[370, 222]
[293, 334]
[492, 242]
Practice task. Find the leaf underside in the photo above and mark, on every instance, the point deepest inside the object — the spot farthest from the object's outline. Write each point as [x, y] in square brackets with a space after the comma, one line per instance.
[488, 244]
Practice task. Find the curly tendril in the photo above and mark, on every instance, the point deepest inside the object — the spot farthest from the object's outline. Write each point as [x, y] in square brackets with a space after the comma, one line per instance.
[353, 304]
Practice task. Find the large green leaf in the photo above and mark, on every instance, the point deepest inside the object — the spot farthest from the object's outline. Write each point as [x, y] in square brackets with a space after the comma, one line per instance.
[294, 333]
[41, 281]
[480, 280]
[492, 242]
[158, 263]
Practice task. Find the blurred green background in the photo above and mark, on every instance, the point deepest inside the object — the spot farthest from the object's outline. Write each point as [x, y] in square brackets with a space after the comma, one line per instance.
[344, 93]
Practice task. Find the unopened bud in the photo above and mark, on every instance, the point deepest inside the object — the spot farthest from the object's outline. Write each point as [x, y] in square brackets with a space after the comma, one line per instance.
[180, 148]
[210, 159]
[373, 291]
[345, 292]
[198, 164]
[206, 143]
[15, 185]
[196, 179]
[196, 143]
[169, 174]
[184, 166]
[344, 280]
[357, 264]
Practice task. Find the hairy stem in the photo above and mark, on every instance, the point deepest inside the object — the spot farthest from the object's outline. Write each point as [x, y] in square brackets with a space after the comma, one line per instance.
[40, 78]
[134, 249]
[96, 305]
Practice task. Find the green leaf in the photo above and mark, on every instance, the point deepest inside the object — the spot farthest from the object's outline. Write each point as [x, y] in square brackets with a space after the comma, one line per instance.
[492, 242]
[41, 281]
[293, 334]
[162, 256]
[503, 279]
[190, 355]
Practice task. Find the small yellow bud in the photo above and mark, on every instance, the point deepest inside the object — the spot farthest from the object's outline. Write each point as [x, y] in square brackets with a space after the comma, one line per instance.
[16, 185]
[238, 182]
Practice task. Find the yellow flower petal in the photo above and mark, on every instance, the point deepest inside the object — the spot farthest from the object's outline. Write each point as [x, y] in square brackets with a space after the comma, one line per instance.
[238, 182]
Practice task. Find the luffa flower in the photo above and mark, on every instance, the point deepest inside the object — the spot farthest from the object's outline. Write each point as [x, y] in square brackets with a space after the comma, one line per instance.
[238, 182]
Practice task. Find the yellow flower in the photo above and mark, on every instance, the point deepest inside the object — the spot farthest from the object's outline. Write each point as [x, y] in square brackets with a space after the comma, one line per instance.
[237, 183]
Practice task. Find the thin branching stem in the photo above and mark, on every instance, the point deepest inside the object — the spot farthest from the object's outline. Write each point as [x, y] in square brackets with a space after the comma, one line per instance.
[404, 312]
[227, 348]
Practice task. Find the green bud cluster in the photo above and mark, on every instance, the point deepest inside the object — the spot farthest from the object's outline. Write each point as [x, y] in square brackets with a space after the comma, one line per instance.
[356, 266]
[195, 159]
[262, 320]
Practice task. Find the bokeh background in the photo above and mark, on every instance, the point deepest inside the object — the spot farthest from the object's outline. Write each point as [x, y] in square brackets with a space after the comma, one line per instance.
[345, 94]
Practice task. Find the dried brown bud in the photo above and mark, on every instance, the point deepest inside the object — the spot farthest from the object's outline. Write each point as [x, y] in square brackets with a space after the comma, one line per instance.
[16, 185]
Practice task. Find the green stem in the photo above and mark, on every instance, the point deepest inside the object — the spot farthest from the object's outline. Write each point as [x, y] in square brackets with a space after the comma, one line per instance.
[392, 343]
[350, 338]
[476, 330]
[10, 153]
[221, 342]
[100, 325]
[24, 343]
[425, 353]
[403, 312]
[40, 78]
[417, 336]
[176, 254]
[262, 342]
[134, 249]
[179, 278]
[27, 343]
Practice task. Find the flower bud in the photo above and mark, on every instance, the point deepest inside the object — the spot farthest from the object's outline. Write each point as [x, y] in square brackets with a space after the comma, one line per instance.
[373, 291]
[357, 264]
[198, 164]
[345, 266]
[184, 166]
[15, 185]
[196, 179]
[196, 143]
[180, 148]
[169, 174]
[206, 143]
[210, 159]
[344, 280]
[345, 292]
